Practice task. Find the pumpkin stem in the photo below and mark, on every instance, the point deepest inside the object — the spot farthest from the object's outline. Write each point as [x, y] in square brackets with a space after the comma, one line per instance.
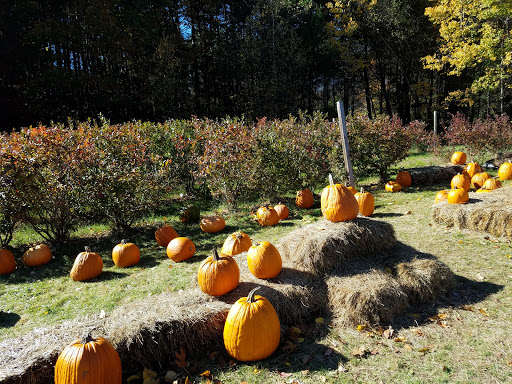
[362, 190]
[215, 254]
[331, 181]
[88, 249]
[123, 241]
[87, 338]
[250, 296]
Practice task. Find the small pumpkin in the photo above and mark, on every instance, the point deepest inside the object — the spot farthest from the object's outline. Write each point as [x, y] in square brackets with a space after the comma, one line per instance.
[472, 168]
[92, 360]
[7, 262]
[87, 266]
[393, 186]
[351, 188]
[282, 211]
[458, 196]
[460, 181]
[459, 158]
[483, 190]
[505, 171]
[338, 203]
[125, 254]
[492, 184]
[212, 224]
[478, 179]
[164, 235]
[180, 249]
[252, 330]
[264, 260]
[190, 214]
[366, 202]
[404, 178]
[236, 243]
[267, 216]
[218, 275]
[304, 198]
[35, 256]
[441, 196]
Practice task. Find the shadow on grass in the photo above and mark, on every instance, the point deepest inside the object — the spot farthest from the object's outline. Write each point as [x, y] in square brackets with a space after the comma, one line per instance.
[388, 214]
[8, 320]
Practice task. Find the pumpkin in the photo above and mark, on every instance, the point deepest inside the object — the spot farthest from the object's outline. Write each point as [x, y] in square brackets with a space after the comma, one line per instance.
[87, 362]
[252, 330]
[441, 196]
[125, 254]
[351, 188]
[505, 171]
[236, 243]
[264, 260]
[282, 211]
[404, 179]
[218, 275]
[38, 255]
[304, 198]
[165, 234]
[478, 179]
[7, 262]
[180, 249]
[267, 216]
[87, 265]
[212, 224]
[472, 168]
[460, 181]
[393, 186]
[338, 203]
[491, 184]
[458, 196]
[483, 190]
[366, 202]
[190, 214]
[459, 158]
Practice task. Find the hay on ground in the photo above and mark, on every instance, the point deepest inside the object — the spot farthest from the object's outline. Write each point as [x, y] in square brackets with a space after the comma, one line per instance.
[433, 175]
[324, 246]
[366, 299]
[424, 280]
[485, 212]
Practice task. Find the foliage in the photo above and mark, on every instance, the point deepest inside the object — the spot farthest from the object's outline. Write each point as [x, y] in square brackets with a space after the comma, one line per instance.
[484, 136]
[423, 139]
[375, 145]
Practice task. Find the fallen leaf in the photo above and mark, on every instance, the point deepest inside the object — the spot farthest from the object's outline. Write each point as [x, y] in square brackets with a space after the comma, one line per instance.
[374, 352]
[181, 358]
[319, 320]
[170, 376]
[341, 368]
[361, 327]
[426, 349]
[133, 378]
[148, 374]
[400, 339]
[288, 364]
[408, 347]
[359, 352]
[207, 374]
[256, 370]
[187, 381]
[483, 311]
[419, 332]
[388, 270]
[388, 333]
[467, 308]
[285, 374]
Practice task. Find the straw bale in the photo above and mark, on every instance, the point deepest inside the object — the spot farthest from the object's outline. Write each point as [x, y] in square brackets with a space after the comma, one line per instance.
[323, 246]
[367, 299]
[485, 212]
[424, 280]
[433, 175]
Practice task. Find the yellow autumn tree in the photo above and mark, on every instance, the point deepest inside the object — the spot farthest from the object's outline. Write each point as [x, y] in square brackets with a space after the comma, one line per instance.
[475, 35]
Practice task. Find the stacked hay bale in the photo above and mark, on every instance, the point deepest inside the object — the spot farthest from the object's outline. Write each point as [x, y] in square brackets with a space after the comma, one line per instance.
[434, 174]
[485, 212]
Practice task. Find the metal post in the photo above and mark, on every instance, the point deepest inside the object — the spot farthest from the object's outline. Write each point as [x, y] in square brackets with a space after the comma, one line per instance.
[435, 123]
[344, 141]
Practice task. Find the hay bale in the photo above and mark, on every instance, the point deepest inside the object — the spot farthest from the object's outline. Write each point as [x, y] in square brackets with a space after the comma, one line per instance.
[433, 175]
[424, 280]
[367, 299]
[322, 247]
[485, 212]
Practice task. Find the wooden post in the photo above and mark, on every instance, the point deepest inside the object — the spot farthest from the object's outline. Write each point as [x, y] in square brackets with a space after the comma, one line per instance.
[435, 123]
[344, 141]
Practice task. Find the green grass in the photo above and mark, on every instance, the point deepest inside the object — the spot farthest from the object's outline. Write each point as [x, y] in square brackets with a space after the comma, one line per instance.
[471, 346]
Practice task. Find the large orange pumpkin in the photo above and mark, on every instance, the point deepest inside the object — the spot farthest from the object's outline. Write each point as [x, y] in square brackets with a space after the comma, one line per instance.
[125, 254]
[91, 361]
[472, 168]
[87, 265]
[282, 211]
[478, 179]
[218, 275]
[505, 171]
[491, 184]
[252, 330]
[236, 243]
[7, 262]
[441, 196]
[393, 186]
[404, 178]
[212, 224]
[338, 203]
[38, 255]
[267, 216]
[264, 260]
[459, 158]
[460, 181]
[458, 196]
[165, 234]
[181, 248]
[304, 198]
[366, 202]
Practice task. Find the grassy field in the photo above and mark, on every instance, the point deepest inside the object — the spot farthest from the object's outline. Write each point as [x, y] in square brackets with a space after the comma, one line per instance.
[461, 339]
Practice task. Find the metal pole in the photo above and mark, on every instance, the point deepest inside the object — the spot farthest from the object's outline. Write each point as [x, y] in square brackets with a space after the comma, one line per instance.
[344, 141]
[435, 123]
